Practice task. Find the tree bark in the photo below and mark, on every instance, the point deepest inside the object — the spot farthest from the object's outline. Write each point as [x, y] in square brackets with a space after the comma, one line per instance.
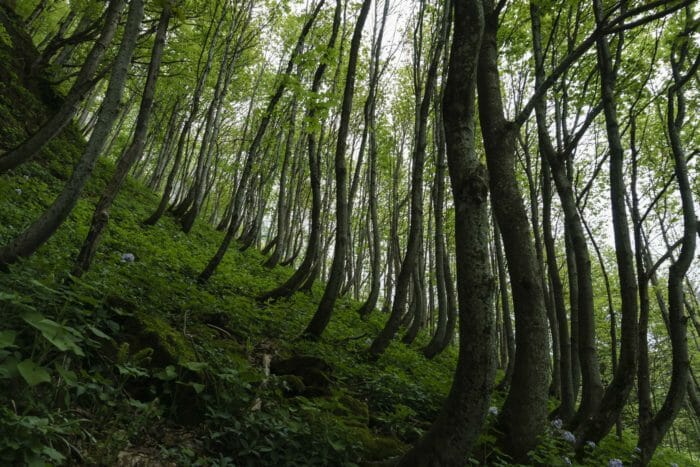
[524, 413]
[83, 83]
[100, 217]
[455, 431]
[44, 227]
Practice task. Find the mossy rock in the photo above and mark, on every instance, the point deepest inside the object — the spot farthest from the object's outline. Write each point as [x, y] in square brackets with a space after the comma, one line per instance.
[292, 385]
[355, 411]
[378, 447]
[170, 347]
[313, 371]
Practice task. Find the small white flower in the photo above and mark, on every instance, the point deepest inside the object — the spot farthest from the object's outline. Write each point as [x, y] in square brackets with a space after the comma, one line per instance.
[128, 258]
[493, 410]
[590, 444]
[18, 191]
[368, 341]
[568, 436]
[673, 464]
[615, 463]
[566, 460]
[557, 423]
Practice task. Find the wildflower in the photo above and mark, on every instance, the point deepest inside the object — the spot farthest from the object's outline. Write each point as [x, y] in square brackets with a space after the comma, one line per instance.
[566, 460]
[18, 191]
[637, 450]
[557, 423]
[673, 464]
[128, 258]
[590, 444]
[615, 463]
[493, 410]
[568, 436]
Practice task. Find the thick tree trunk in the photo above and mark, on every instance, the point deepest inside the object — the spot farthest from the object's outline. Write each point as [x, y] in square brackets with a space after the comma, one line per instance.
[524, 414]
[452, 436]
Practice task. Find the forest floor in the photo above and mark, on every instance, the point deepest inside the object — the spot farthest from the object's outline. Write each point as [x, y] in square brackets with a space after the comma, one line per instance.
[138, 364]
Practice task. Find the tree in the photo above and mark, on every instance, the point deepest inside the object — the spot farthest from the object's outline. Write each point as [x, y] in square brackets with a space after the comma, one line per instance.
[41, 230]
[454, 432]
[325, 307]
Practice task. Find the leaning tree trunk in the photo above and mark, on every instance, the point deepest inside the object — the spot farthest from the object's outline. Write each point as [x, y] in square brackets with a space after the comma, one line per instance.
[82, 84]
[524, 413]
[194, 110]
[100, 218]
[44, 227]
[382, 341]
[370, 120]
[305, 269]
[650, 438]
[251, 156]
[325, 307]
[596, 427]
[455, 431]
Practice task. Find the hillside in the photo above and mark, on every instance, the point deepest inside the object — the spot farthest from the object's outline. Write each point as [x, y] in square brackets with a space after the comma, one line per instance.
[137, 363]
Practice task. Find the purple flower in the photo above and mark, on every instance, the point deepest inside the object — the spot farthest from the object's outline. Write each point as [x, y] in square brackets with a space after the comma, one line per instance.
[557, 423]
[590, 444]
[568, 436]
[493, 411]
[615, 463]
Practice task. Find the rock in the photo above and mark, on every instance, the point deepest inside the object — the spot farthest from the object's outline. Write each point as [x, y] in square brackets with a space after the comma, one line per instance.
[312, 371]
[354, 410]
[292, 385]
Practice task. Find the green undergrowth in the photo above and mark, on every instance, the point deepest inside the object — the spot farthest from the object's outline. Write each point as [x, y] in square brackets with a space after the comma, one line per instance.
[138, 364]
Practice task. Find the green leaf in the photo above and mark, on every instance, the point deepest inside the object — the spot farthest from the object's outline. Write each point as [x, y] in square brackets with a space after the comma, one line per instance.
[195, 366]
[97, 332]
[7, 339]
[32, 373]
[64, 338]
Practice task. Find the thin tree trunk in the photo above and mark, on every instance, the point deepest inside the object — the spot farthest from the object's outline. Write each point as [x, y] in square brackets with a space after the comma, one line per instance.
[325, 307]
[44, 227]
[100, 217]
[82, 85]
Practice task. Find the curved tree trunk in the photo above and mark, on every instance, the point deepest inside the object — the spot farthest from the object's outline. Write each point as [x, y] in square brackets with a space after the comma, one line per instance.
[44, 227]
[524, 413]
[132, 154]
[82, 85]
[453, 434]
[413, 250]
[325, 307]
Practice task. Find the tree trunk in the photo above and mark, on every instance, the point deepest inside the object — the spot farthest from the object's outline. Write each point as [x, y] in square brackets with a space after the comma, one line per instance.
[413, 250]
[325, 307]
[455, 431]
[524, 413]
[44, 227]
[100, 217]
[83, 83]
[252, 154]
